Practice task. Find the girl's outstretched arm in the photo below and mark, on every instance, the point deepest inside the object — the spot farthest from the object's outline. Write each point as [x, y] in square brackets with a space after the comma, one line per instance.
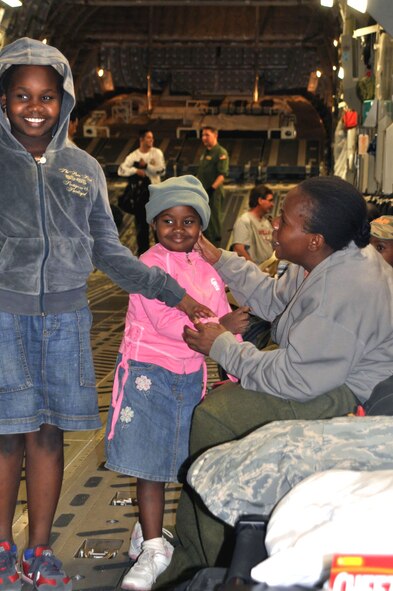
[194, 309]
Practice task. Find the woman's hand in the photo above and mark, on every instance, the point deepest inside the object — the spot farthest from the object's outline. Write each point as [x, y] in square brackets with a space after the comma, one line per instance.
[203, 337]
[237, 321]
[210, 253]
[194, 309]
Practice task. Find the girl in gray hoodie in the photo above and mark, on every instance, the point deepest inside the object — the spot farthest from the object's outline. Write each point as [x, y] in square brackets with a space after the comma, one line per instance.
[55, 227]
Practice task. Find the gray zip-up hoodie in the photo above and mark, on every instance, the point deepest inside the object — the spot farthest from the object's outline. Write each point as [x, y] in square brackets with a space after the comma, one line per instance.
[335, 326]
[55, 220]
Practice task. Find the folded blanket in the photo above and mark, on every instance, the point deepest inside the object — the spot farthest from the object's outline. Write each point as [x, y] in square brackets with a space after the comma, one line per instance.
[334, 512]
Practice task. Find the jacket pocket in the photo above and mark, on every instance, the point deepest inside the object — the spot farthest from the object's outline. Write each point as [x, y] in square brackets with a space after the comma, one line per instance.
[69, 263]
[20, 260]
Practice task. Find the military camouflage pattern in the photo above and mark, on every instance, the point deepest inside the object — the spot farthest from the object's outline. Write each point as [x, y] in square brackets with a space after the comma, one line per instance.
[250, 475]
[382, 227]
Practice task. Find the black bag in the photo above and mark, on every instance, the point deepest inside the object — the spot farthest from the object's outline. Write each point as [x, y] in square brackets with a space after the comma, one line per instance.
[136, 190]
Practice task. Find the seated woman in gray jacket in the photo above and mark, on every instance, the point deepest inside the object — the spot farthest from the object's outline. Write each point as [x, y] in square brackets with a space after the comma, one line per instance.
[334, 331]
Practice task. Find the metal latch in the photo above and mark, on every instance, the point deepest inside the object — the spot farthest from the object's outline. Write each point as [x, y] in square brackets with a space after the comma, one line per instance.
[123, 499]
[99, 548]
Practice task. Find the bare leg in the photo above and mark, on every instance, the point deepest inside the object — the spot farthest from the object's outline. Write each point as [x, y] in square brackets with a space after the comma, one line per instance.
[44, 477]
[11, 457]
[151, 499]
[155, 557]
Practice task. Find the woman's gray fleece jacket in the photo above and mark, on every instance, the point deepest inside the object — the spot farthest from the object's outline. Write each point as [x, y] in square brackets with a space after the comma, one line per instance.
[335, 327]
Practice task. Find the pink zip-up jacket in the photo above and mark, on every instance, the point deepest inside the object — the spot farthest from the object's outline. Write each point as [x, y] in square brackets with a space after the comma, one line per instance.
[153, 331]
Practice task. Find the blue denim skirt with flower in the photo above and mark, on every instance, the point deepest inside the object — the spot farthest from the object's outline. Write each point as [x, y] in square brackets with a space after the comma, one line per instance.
[150, 436]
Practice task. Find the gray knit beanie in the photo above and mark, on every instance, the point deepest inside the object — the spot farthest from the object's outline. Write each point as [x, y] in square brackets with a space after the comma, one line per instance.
[180, 190]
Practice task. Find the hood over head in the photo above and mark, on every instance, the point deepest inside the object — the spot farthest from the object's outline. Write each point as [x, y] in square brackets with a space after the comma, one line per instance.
[30, 52]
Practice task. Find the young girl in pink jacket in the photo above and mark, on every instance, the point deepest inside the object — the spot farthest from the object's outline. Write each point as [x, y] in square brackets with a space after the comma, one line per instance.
[159, 380]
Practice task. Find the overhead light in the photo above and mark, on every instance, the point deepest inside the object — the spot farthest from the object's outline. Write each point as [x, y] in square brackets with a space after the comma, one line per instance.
[327, 3]
[334, 68]
[100, 72]
[360, 5]
[335, 42]
[45, 41]
[12, 3]
[318, 73]
[340, 73]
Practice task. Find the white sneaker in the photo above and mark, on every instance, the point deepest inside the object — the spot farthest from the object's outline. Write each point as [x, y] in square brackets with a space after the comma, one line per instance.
[150, 564]
[137, 539]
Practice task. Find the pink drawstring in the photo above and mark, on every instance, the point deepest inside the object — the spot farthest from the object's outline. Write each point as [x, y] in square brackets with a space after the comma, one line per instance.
[117, 394]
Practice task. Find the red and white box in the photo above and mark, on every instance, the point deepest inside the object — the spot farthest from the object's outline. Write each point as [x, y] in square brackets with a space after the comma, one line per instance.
[351, 572]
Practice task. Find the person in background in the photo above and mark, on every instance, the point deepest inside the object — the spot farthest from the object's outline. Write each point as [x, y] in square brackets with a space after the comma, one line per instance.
[212, 170]
[382, 236]
[252, 239]
[55, 227]
[252, 232]
[148, 163]
[159, 379]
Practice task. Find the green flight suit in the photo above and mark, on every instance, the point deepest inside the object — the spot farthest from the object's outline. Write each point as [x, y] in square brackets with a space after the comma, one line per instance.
[213, 163]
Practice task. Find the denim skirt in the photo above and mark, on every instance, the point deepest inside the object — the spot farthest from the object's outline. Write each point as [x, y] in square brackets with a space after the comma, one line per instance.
[47, 373]
[151, 434]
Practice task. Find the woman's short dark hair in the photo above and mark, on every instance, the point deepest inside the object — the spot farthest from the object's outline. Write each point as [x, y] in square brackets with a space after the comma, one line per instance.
[338, 212]
[373, 211]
